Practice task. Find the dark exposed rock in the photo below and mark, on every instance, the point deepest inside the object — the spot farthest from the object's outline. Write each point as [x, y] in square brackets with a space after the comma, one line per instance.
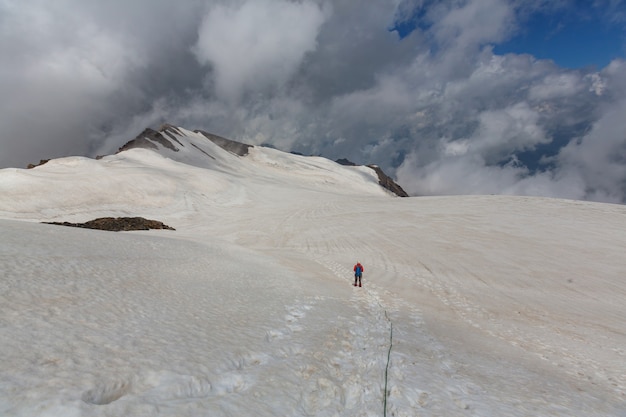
[171, 128]
[41, 162]
[384, 180]
[346, 162]
[139, 142]
[388, 183]
[171, 131]
[147, 139]
[238, 148]
[117, 224]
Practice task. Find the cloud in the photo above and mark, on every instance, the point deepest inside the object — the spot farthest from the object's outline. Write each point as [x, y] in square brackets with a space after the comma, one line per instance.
[502, 132]
[557, 86]
[258, 44]
[591, 165]
[74, 70]
[437, 108]
[599, 157]
[473, 24]
[59, 67]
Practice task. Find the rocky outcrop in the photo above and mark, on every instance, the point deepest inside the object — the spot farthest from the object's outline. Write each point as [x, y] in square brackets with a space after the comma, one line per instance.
[117, 224]
[346, 162]
[41, 162]
[232, 146]
[148, 139]
[386, 182]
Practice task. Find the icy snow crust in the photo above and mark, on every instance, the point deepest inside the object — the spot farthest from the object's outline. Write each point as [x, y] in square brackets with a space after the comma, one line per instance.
[500, 306]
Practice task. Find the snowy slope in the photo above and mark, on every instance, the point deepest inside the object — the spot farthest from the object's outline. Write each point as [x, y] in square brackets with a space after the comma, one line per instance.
[170, 183]
[492, 306]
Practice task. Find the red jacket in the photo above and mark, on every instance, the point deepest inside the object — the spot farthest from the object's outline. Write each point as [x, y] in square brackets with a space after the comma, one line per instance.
[358, 265]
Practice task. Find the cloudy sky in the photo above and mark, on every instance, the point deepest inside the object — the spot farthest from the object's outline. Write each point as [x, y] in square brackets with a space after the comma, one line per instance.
[520, 97]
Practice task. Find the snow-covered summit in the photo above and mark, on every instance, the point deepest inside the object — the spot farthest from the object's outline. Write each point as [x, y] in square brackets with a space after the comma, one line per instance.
[206, 150]
[168, 136]
[172, 172]
[195, 148]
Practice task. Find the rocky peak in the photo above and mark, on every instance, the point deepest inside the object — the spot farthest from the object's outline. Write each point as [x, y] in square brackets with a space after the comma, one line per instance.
[149, 137]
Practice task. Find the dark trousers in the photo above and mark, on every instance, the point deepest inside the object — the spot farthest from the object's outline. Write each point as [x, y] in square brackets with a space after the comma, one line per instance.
[357, 278]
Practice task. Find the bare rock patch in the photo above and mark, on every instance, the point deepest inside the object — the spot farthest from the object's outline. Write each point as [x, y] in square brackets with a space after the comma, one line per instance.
[118, 224]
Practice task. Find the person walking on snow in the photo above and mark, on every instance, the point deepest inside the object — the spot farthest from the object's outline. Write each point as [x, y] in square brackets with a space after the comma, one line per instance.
[358, 272]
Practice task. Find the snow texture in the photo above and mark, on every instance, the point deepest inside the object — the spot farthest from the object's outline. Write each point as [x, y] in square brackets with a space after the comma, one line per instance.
[500, 306]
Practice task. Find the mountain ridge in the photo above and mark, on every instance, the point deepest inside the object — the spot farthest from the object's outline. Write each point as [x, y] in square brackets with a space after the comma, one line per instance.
[150, 139]
[173, 174]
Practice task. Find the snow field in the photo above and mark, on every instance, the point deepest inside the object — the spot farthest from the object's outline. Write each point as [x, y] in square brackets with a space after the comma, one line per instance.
[517, 298]
[134, 324]
[500, 306]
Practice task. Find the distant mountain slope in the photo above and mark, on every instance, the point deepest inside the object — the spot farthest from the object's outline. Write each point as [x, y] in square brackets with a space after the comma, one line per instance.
[174, 173]
[171, 137]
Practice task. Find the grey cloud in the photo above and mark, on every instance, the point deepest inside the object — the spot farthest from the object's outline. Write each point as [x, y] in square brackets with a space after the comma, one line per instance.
[77, 70]
[256, 44]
